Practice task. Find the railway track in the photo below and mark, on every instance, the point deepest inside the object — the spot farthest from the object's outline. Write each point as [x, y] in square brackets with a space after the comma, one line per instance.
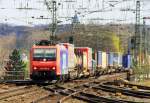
[15, 92]
[127, 89]
[76, 89]
[127, 84]
[55, 91]
[78, 92]
[26, 82]
[123, 91]
[23, 94]
[138, 86]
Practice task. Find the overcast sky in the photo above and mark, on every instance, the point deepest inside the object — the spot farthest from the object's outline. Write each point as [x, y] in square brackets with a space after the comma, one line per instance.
[106, 11]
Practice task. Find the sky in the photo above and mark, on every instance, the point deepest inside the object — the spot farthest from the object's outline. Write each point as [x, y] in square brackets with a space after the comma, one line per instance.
[89, 11]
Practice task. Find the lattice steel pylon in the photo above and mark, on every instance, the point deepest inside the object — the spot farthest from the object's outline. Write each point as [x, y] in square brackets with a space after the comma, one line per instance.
[52, 7]
[138, 37]
[144, 40]
[75, 22]
[54, 19]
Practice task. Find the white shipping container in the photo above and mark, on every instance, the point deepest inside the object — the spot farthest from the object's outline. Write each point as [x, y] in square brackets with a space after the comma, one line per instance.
[85, 62]
[90, 58]
[71, 55]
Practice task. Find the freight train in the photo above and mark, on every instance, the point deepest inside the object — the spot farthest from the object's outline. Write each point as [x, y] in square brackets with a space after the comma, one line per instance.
[64, 60]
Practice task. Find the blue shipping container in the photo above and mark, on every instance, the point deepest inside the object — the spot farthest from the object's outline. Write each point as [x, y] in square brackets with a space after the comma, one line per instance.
[99, 58]
[110, 59]
[127, 61]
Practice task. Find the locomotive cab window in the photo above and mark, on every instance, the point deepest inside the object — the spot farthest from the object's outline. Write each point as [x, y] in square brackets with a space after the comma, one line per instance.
[49, 54]
[38, 53]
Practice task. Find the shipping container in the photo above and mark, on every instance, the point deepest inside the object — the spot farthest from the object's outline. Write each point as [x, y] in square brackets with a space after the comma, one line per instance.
[120, 60]
[115, 59]
[63, 60]
[94, 64]
[110, 59]
[104, 60]
[90, 58]
[99, 59]
[70, 48]
[78, 58]
[93, 70]
[127, 61]
[94, 54]
[84, 57]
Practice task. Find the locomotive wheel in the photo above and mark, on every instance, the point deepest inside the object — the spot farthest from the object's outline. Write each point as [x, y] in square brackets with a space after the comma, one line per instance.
[34, 76]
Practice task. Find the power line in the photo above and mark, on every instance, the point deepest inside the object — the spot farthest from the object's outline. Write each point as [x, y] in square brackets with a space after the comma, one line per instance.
[73, 5]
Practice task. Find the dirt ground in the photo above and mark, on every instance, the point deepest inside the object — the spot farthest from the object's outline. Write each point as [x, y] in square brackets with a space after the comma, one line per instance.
[145, 83]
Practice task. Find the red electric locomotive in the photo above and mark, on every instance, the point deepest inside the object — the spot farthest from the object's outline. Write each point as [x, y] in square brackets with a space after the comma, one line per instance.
[48, 62]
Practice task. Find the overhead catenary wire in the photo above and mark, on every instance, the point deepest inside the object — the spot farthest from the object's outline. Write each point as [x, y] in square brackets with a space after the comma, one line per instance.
[85, 15]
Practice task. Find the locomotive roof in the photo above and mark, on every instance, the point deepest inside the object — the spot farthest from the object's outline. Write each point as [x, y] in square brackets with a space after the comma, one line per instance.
[55, 46]
[35, 46]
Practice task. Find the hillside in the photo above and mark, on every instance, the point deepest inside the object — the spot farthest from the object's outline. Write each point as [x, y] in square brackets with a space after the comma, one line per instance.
[100, 37]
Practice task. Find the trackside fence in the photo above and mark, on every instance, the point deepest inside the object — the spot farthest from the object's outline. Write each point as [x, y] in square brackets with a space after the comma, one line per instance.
[14, 75]
[141, 73]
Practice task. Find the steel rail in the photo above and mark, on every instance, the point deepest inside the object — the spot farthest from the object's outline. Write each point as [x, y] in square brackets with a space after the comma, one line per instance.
[108, 88]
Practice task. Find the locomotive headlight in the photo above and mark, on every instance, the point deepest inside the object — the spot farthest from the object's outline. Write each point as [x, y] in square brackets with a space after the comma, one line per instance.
[53, 68]
[35, 68]
[44, 60]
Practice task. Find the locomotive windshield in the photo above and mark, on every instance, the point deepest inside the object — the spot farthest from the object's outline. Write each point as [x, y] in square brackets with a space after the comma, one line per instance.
[46, 53]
